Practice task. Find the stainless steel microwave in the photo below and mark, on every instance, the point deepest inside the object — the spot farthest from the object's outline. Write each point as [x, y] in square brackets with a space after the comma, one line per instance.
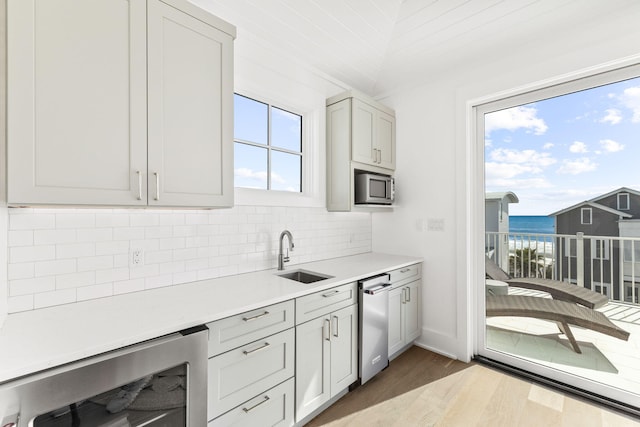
[374, 189]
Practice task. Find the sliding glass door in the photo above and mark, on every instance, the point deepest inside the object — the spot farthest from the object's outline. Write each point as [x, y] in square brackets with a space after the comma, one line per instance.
[561, 237]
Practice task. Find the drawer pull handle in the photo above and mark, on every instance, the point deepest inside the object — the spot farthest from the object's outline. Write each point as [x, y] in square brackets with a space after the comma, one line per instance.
[330, 294]
[248, 352]
[336, 328]
[326, 330]
[404, 270]
[139, 174]
[157, 175]
[249, 319]
[266, 399]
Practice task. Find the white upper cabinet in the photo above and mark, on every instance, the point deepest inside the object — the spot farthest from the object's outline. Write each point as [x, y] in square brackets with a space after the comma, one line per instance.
[373, 135]
[190, 110]
[81, 125]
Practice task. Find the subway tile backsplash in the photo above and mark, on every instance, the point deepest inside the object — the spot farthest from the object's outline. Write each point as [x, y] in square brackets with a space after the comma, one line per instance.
[62, 256]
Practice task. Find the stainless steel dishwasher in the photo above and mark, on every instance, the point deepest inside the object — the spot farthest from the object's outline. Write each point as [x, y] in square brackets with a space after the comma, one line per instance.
[374, 325]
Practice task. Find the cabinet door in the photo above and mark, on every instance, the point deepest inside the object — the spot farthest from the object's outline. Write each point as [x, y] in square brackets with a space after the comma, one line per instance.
[396, 324]
[312, 366]
[413, 324]
[339, 180]
[386, 140]
[190, 110]
[76, 76]
[363, 122]
[344, 348]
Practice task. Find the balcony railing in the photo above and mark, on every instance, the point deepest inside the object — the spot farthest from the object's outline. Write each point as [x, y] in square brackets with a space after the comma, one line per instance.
[608, 265]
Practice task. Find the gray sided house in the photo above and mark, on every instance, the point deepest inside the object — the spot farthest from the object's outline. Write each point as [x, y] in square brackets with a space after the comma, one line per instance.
[496, 224]
[597, 220]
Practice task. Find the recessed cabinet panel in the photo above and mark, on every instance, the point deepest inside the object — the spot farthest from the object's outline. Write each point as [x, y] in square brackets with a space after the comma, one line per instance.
[386, 140]
[364, 122]
[344, 348]
[190, 142]
[76, 75]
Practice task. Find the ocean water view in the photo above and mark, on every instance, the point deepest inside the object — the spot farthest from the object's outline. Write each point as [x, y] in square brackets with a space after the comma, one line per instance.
[531, 224]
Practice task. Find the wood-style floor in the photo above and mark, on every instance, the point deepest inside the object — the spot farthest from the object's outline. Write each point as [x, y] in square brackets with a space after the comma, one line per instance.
[421, 388]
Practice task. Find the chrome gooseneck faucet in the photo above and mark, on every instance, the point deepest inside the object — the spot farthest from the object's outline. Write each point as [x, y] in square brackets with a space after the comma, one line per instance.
[281, 258]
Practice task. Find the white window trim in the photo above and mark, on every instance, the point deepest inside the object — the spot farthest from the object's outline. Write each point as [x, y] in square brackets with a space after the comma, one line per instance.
[595, 243]
[628, 202]
[582, 212]
[313, 160]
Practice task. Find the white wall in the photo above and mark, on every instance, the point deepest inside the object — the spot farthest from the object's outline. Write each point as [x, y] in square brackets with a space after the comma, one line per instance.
[434, 163]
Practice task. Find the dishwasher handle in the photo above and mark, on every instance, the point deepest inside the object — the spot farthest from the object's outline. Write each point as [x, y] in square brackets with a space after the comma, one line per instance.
[380, 288]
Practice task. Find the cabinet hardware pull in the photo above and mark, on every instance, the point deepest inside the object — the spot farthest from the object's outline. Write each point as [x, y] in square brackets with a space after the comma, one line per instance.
[248, 352]
[409, 294]
[335, 330]
[379, 156]
[257, 316]
[139, 184]
[266, 399]
[404, 295]
[330, 294]
[157, 175]
[404, 270]
[326, 329]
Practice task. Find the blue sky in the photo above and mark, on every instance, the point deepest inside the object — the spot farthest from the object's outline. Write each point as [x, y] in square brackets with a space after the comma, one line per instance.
[560, 151]
[251, 124]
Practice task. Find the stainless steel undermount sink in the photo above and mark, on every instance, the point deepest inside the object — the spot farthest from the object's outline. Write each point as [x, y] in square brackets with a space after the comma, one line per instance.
[304, 276]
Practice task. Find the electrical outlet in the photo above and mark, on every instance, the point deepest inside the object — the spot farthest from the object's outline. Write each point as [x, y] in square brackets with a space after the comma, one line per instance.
[435, 224]
[137, 257]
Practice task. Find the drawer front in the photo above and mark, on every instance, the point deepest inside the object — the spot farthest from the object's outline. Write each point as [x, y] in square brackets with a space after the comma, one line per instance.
[236, 331]
[242, 374]
[271, 408]
[404, 273]
[315, 305]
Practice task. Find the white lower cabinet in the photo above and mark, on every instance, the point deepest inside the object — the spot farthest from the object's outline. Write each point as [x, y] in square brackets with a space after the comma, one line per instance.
[404, 315]
[326, 358]
[274, 407]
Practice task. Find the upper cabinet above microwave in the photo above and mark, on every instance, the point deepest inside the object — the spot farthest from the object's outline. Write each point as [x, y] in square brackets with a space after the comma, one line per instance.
[118, 103]
[361, 136]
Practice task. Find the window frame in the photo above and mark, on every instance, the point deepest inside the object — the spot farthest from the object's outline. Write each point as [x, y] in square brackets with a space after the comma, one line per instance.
[595, 247]
[270, 148]
[582, 212]
[628, 202]
[313, 145]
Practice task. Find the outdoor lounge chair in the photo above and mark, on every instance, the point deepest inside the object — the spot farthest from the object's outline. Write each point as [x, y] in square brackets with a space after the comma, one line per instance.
[562, 312]
[558, 290]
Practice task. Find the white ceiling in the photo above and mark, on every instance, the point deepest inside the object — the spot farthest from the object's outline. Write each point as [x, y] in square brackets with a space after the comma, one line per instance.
[377, 46]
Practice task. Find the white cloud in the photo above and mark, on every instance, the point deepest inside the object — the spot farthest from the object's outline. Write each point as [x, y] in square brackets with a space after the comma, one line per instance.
[515, 118]
[575, 167]
[613, 116]
[578, 147]
[631, 99]
[277, 178]
[548, 146]
[611, 146]
[251, 174]
[528, 158]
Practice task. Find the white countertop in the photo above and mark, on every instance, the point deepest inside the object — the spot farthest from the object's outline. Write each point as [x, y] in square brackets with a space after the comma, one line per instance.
[36, 340]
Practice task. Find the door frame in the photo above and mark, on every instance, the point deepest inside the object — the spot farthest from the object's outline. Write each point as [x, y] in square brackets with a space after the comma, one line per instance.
[473, 261]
